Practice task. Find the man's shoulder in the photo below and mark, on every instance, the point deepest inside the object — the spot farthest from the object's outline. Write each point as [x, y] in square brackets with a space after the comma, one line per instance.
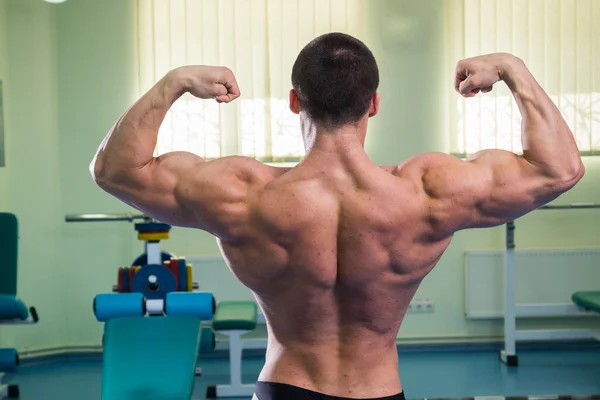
[419, 163]
[248, 168]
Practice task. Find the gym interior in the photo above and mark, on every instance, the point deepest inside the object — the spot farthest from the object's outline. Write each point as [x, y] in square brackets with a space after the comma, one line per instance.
[511, 311]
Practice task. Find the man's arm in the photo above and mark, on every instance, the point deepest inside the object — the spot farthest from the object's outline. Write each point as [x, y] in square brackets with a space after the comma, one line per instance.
[179, 188]
[495, 186]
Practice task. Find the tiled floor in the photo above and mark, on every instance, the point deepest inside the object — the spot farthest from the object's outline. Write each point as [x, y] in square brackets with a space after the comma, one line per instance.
[445, 374]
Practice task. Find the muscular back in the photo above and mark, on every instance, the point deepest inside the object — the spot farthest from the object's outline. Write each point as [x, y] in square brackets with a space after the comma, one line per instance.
[335, 248]
[336, 256]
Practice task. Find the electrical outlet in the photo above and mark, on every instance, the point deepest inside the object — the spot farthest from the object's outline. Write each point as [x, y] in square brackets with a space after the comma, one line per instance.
[412, 307]
[429, 305]
[421, 306]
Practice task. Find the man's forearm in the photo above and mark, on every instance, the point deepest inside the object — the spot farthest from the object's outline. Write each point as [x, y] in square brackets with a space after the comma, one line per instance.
[548, 143]
[131, 142]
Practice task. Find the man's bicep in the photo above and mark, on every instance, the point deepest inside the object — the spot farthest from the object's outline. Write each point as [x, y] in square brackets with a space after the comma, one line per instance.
[181, 189]
[152, 188]
[510, 187]
[491, 188]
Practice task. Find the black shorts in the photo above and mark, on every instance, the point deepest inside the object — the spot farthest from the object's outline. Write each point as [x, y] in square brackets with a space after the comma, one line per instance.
[281, 391]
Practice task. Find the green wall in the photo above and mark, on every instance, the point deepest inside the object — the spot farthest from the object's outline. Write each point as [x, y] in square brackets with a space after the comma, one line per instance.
[96, 77]
[407, 37]
[33, 179]
[71, 72]
[4, 171]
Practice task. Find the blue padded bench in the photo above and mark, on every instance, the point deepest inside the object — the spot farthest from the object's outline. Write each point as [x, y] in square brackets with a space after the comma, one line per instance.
[131, 345]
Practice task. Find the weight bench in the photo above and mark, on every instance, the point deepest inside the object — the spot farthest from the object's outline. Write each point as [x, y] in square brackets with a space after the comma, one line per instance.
[587, 300]
[151, 345]
[133, 344]
[12, 310]
[234, 319]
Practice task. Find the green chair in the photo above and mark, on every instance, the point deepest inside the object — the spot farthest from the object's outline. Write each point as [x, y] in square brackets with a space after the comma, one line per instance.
[588, 300]
[12, 310]
[234, 319]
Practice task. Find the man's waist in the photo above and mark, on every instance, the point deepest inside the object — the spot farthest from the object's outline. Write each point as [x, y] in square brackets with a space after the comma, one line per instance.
[329, 372]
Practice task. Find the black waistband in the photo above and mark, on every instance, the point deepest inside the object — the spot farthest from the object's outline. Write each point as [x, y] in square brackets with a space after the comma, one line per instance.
[282, 391]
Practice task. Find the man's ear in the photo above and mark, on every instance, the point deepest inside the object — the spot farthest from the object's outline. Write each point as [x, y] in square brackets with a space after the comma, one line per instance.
[374, 107]
[294, 104]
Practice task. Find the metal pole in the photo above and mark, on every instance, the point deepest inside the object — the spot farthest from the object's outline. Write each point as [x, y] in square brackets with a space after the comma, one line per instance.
[573, 206]
[105, 217]
[509, 355]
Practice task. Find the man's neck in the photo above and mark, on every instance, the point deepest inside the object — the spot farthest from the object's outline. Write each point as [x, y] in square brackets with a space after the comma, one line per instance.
[341, 150]
[342, 140]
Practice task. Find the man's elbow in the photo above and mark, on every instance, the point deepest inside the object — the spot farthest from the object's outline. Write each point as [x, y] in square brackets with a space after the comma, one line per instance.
[102, 176]
[576, 170]
[571, 174]
[97, 171]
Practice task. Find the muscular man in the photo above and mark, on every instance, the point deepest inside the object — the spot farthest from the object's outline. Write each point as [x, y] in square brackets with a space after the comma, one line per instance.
[335, 248]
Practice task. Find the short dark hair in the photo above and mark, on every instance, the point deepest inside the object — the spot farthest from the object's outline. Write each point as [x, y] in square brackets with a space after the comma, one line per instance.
[335, 77]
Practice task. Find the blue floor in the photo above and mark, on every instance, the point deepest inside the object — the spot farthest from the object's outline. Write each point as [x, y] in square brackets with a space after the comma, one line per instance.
[424, 375]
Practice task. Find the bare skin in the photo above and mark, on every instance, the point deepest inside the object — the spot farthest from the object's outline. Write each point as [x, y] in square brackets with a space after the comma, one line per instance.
[335, 248]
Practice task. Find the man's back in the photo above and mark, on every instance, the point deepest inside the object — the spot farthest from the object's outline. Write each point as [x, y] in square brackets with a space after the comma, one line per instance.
[335, 248]
[340, 247]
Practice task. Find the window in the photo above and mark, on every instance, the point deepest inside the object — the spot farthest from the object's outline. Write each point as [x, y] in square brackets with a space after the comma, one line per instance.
[559, 40]
[259, 40]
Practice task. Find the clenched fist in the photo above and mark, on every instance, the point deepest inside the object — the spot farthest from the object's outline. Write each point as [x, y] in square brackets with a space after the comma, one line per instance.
[479, 74]
[207, 82]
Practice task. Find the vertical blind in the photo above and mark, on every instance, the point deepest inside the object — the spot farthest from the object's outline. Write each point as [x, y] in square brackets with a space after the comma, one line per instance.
[559, 40]
[259, 41]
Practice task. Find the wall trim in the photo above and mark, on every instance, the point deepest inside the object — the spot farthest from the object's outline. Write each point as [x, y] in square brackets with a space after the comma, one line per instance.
[256, 348]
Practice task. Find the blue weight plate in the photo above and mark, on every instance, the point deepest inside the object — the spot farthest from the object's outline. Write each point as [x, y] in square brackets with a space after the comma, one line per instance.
[143, 259]
[152, 227]
[165, 282]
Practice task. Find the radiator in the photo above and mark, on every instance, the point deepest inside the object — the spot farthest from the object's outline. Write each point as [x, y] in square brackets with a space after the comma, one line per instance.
[543, 276]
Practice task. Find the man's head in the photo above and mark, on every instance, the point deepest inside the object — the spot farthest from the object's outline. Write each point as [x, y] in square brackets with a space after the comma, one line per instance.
[335, 80]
